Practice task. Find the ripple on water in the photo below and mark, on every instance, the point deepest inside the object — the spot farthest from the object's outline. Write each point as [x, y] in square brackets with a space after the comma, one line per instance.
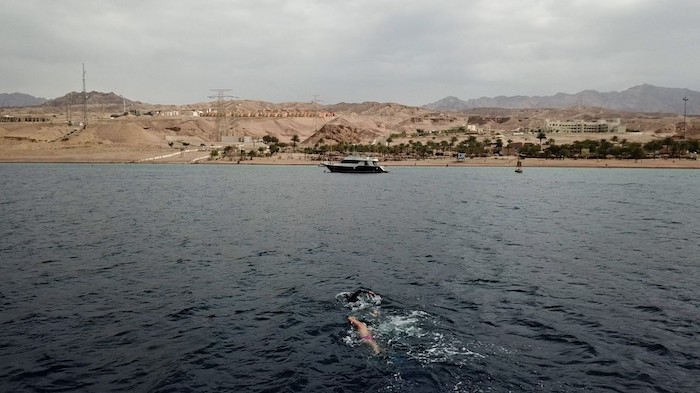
[222, 278]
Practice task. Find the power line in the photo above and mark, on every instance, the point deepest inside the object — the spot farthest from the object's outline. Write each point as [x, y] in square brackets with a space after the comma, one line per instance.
[685, 115]
[314, 103]
[85, 98]
[69, 108]
[221, 122]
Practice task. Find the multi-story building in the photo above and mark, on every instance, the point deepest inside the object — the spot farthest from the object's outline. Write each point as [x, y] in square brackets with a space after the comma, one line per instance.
[577, 126]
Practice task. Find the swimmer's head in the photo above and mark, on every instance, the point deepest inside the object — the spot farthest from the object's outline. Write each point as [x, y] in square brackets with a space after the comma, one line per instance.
[361, 294]
[360, 299]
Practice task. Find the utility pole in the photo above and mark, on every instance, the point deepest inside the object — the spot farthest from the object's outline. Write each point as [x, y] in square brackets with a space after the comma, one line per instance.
[221, 122]
[85, 98]
[315, 102]
[69, 105]
[685, 115]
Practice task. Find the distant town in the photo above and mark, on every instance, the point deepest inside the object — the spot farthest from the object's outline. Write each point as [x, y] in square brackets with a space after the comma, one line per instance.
[107, 127]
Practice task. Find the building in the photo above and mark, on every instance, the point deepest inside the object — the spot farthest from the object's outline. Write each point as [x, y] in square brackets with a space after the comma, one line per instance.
[578, 126]
[244, 143]
[23, 119]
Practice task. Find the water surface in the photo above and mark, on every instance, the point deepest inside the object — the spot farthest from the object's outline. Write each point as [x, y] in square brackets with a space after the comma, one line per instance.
[224, 278]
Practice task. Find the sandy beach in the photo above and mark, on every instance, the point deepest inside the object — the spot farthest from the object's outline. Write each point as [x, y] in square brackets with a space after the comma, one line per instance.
[503, 162]
[155, 155]
[183, 140]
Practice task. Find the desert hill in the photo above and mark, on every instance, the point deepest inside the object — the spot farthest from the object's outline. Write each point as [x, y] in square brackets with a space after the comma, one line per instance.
[350, 123]
[342, 130]
[97, 100]
[55, 127]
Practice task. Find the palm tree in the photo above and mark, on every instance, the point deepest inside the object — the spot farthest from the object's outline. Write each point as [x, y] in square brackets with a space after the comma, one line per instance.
[453, 140]
[509, 146]
[473, 146]
[604, 148]
[499, 145]
[541, 135]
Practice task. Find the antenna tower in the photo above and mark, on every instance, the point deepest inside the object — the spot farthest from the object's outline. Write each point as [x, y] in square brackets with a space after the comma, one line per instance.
[685, 115]
[315, 102]
[69, 106]
[85, 98]
[221, 122]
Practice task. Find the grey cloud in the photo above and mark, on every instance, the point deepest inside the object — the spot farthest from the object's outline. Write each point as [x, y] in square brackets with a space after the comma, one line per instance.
[407, 51]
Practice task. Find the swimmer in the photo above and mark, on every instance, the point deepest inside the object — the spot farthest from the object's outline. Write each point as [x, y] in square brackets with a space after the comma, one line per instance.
[360, 299]
[355, 296]
[364, 333]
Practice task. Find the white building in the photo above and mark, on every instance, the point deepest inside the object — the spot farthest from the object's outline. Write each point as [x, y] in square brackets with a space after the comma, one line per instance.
[244, 143]
[578, 126]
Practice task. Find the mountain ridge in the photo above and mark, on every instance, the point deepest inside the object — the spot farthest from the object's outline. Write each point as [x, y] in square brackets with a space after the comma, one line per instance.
[8, 100]
[643, 98]
[93, 98]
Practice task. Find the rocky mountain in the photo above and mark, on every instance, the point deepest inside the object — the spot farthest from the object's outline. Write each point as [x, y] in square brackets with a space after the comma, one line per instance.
[342, 130]
[373, 108]
[367, 122]
[110, 100]
[19, 100]
[642, 98]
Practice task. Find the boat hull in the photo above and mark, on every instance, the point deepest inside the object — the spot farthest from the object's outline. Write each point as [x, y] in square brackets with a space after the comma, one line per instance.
[355, 169]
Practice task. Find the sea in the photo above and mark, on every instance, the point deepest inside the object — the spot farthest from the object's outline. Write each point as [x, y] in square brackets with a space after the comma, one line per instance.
[231, 278]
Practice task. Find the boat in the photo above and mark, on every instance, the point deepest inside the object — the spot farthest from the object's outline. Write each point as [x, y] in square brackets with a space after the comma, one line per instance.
[355, 164]
[519, 167]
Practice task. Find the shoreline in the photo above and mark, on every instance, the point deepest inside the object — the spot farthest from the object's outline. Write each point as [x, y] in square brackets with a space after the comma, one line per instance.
[296, 159]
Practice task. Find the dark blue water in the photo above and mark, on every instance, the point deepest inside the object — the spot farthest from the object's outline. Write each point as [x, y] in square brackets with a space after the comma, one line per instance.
[177, 278]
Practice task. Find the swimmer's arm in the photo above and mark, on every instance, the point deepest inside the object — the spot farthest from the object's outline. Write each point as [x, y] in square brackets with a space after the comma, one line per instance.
[373, 344]
[365, 334]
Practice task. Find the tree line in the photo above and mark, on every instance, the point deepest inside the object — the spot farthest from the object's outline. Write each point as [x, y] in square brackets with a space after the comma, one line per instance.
[472, 147]
[615, 148]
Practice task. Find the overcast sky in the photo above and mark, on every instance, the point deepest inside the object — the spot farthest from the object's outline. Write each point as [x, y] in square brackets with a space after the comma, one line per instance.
[405, 51]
